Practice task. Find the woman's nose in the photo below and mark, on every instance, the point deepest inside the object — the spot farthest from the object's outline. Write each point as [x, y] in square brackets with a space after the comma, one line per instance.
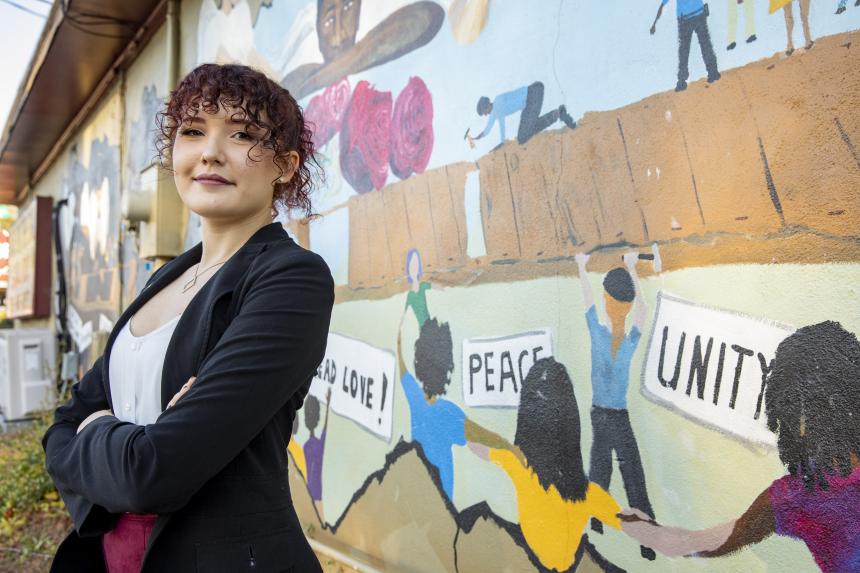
[212, 152]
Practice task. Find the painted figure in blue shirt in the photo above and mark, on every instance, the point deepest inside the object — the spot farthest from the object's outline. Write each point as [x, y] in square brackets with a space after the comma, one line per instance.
[437, 424]
[528, 100]
[611, 352]
[692, 17]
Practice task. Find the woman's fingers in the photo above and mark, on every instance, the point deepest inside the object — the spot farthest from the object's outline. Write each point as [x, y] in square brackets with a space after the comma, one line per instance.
[182, 391]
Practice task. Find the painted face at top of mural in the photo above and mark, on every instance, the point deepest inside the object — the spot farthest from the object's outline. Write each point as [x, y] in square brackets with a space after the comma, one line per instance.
[337, 26]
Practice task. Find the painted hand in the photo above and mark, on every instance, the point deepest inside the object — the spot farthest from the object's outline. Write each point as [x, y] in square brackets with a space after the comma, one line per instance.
[630, 259]
[633, 515]
[479, 450]
[182, 391]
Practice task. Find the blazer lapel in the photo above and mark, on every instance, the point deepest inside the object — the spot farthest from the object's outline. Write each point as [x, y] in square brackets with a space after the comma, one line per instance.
[187, 344]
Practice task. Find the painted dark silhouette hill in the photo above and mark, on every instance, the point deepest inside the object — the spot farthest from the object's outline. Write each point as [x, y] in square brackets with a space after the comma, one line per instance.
[401, 515]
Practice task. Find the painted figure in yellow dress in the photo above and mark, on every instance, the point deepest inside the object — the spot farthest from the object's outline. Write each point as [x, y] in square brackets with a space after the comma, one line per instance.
[555, 500]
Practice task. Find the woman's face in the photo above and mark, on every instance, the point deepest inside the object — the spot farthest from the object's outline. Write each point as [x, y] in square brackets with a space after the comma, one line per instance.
[215, 176]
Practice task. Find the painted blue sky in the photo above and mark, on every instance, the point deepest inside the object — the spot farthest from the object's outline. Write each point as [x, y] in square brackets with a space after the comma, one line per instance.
[591, 56]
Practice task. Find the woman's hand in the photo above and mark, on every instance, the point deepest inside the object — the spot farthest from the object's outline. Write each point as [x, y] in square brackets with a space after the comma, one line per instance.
[91, 417]
[182, 391]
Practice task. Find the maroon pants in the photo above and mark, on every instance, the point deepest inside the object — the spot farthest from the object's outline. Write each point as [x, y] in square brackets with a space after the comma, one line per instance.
[125, 544]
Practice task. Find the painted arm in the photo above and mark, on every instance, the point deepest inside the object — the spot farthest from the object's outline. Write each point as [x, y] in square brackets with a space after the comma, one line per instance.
[587, 295]
[491, 119]
[479, 434]
[401, 364]
[754, 525]
[327, 408]
[481, 440]
[640, 308]
[659, 13]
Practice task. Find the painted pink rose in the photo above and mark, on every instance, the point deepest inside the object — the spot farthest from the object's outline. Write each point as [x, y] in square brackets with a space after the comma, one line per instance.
[412, 129]
[325, 111]
[364, 138]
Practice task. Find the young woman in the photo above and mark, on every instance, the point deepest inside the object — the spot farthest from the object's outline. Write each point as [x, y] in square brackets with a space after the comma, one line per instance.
[171, 454]
[813, 406]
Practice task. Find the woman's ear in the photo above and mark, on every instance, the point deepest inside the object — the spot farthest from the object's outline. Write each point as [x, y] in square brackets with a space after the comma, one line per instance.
[288, 166]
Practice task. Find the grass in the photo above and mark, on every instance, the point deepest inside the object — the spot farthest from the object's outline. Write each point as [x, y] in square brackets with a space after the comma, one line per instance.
[33, 518]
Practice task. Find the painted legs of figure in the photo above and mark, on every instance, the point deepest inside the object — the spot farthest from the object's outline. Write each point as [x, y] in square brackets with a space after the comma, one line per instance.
[532, 122]
[789, 25]
[749, 21]
[686, 27]
[613, 432]
[843, 3]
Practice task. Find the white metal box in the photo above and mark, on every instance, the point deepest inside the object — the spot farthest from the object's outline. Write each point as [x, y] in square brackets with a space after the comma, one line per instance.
[27, 360]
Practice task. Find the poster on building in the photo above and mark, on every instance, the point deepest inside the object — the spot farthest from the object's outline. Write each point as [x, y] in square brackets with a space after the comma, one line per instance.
[711, 365]
[494, 368]
[361, 379]
[28, 291]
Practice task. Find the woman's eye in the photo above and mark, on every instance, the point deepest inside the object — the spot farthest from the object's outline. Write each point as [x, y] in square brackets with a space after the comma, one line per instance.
[190, 131]
[244, 135]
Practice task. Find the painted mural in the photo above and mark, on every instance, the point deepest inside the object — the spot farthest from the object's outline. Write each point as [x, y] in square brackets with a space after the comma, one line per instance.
[90, 185]
[595, 266]
[140, 143]
[145, 86]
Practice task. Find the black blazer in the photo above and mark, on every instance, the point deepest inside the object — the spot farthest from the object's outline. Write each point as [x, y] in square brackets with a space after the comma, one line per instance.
[214, 466]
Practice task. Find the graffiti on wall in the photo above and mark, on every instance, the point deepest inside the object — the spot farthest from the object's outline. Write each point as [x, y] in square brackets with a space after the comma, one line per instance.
[141, 154]
[90, 237]
[562, 337]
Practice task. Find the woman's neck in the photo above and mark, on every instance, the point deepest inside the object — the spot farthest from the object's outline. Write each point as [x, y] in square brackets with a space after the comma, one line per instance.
[221, 240]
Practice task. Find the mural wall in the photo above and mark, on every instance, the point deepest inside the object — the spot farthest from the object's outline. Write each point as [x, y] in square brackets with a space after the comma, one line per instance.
[145, 89]
[102, 161]
[89, 182]
[596, 279]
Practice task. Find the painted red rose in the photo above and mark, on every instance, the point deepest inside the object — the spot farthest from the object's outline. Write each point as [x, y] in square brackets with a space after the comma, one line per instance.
[412, 129]
[325, 111]
[364, 138]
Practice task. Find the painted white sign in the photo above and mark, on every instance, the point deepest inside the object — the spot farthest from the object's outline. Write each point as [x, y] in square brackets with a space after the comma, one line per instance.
[494, 368]
[711, 365]
[361, 380]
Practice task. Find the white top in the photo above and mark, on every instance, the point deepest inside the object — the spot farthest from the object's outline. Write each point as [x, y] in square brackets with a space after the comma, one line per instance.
[135, 367]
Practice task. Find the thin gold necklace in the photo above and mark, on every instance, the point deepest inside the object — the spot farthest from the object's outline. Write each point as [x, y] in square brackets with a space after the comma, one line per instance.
[190, 283]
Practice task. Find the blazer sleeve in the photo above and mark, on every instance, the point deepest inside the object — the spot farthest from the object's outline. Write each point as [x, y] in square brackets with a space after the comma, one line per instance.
[87, 396]
[267, 354]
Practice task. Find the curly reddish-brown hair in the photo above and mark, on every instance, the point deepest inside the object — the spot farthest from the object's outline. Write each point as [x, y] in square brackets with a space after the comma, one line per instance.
[256, 99]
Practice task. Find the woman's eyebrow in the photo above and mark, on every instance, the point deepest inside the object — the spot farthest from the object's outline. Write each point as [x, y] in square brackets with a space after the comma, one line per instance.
[245, 122]
[231, 121]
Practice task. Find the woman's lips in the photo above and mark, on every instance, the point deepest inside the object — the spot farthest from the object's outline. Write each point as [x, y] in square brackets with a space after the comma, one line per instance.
[212, 180]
